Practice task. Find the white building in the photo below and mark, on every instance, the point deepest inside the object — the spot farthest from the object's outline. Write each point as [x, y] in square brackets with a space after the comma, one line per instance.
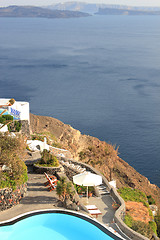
[19, 110]
[3, 128]
[36, 145]
[113, 183]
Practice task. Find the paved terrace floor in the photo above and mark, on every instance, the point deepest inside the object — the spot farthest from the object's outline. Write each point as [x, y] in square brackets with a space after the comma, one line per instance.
[38, 197]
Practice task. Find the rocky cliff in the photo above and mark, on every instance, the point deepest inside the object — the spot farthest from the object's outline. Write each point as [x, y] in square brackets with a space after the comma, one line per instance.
[99, 154]
[30, 11]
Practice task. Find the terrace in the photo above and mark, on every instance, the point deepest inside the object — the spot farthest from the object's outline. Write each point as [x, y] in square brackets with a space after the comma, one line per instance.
[39, 198]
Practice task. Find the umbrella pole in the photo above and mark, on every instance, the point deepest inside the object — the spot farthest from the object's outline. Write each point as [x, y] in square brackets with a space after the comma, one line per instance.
[87, 194]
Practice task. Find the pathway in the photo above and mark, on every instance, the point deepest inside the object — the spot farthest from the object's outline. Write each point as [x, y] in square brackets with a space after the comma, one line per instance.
[37, 197]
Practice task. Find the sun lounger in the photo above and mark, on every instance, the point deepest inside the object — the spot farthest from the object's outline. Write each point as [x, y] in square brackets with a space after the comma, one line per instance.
[72, 165]
[52, 187]
[103, 190]
[50, 177]
[91, 207]
[80, 169]
[83, 170]
[95, 212]
[50, 180]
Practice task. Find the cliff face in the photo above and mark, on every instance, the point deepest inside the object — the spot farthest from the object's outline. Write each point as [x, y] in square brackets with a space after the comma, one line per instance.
[31, 11]
[101, 155]
[126, 11]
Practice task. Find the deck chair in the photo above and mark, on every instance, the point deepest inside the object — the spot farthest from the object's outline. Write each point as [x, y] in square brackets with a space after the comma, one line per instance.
[91, 207]
[49, 180]
[93, 210]
[52, 186]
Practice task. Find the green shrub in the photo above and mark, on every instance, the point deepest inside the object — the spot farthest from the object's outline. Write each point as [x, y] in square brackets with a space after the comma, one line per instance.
[2, 120]
[135, 195]
[56, 145]
[150, 213]
[142, 228]
[12, 150]
[23, 177]
[8, 117]
[48, 159]
[129, 194]
[153, 226]
[80, 189]
[38, 137]
[82, 155]
[49, 135]
[128, 220]
[157, 220]
[64, 190]
[151, 201]
[17, 125]
[90, 148]
[83, 189]
[92, 163]
[53, 161]
[8, 180]
[9, 128]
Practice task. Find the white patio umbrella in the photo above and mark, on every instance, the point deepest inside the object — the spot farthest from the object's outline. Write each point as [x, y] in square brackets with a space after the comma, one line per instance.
[87, 179]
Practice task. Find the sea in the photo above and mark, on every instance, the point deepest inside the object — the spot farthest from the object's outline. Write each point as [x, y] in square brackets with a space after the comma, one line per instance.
[99, 74]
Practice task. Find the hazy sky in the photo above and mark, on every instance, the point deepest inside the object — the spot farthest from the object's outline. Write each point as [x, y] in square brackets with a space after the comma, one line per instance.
[4, 3]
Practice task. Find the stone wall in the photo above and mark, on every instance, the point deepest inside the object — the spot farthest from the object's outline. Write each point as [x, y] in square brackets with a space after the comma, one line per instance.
[119, 217]
[58, 152]
[25, 129]
[10, 198]
[49, 170]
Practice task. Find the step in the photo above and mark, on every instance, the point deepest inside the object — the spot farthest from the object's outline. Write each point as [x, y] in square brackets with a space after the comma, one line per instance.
[104, 192]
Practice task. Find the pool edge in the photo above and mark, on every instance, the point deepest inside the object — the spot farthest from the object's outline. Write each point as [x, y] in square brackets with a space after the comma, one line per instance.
[85, 217]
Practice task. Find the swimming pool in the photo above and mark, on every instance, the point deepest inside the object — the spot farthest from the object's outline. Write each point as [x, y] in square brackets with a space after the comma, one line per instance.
[57, 225]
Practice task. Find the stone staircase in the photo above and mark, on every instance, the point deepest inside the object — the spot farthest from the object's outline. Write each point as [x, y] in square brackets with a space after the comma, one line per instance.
[103, 190]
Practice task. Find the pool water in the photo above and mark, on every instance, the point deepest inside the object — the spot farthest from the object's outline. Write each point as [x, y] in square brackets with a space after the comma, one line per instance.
[52, 226]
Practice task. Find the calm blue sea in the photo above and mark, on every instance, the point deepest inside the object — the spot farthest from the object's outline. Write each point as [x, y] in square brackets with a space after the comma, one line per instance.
[99, 74]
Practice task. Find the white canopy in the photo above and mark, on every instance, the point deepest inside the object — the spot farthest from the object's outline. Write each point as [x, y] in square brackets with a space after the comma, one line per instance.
[87, 179]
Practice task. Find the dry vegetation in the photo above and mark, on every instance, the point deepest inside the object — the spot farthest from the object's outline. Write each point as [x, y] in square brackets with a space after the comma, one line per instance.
[12, 151]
